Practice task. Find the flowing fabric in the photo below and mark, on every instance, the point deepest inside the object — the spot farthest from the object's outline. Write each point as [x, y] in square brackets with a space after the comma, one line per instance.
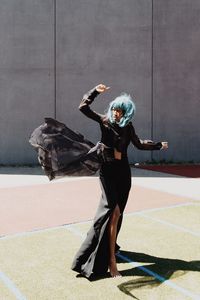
[62, 151]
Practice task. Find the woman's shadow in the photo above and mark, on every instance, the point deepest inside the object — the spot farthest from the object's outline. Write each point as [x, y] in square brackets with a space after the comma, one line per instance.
[154, 273]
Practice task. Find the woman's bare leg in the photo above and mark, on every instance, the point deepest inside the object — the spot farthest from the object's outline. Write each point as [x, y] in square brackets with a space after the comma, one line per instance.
[112, 232]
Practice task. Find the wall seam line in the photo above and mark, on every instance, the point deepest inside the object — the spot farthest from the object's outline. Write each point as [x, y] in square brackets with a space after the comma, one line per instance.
[152, 73]
[55, 66]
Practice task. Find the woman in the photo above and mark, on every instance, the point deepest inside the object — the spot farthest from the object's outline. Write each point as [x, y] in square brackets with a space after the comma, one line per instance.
[97, 252]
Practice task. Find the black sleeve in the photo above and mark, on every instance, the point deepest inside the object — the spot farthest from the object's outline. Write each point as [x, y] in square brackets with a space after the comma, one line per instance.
[143, 145]
[84, 106]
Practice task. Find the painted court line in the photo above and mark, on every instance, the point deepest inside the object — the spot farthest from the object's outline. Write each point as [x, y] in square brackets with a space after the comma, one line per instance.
[177, 227]
[36, 231]
[161, 278]
[160, 208]
[143, 214]
[76, 231]
[145, 270]
[28, 233]
[11, 286]
[24, 234]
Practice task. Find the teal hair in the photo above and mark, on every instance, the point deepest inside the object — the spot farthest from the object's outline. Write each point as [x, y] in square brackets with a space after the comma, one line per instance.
[126, 104]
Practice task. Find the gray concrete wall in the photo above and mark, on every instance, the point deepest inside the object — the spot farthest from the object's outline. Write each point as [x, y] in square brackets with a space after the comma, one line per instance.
[176, 77]
[26, 74]
[104, 41]
[52, 52]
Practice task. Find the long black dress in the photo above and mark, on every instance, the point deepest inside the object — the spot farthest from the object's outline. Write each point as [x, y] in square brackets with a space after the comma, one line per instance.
[115, 181]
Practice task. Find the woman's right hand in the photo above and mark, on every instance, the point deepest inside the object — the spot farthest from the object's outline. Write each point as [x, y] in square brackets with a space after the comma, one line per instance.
[102, 88]
[164, 145]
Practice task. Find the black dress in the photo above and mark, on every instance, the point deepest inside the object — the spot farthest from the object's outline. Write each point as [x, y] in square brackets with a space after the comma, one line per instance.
[115, 181]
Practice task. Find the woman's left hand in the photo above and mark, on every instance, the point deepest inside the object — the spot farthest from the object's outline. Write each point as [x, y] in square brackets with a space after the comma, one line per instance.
[164, 145]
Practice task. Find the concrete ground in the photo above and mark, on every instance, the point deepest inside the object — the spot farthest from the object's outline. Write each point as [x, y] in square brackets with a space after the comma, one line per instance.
[43, 224]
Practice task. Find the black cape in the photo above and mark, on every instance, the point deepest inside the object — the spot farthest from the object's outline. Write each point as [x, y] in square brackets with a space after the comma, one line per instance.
[62, 151]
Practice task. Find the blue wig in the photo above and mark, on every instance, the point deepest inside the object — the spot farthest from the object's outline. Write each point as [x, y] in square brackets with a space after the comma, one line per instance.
[126, 104]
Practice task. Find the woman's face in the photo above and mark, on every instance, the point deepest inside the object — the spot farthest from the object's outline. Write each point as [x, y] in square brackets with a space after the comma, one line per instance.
[117, 113]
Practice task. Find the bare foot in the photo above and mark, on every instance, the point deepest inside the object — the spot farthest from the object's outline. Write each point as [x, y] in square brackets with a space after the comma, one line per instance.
[113, 270]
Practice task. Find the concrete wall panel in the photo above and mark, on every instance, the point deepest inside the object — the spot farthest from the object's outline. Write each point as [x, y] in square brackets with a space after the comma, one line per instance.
[26, 74]
[107, 42]
[176, 78]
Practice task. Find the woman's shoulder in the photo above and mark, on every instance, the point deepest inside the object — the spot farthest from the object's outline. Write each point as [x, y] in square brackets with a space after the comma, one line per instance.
[130, 124]
[131, 128]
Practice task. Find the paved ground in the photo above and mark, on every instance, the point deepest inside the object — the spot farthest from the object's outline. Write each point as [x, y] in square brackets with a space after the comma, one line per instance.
[43, 223]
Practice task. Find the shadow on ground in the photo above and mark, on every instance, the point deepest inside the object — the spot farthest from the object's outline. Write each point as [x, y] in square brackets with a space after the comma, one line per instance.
[155, 271]
[162, 268]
